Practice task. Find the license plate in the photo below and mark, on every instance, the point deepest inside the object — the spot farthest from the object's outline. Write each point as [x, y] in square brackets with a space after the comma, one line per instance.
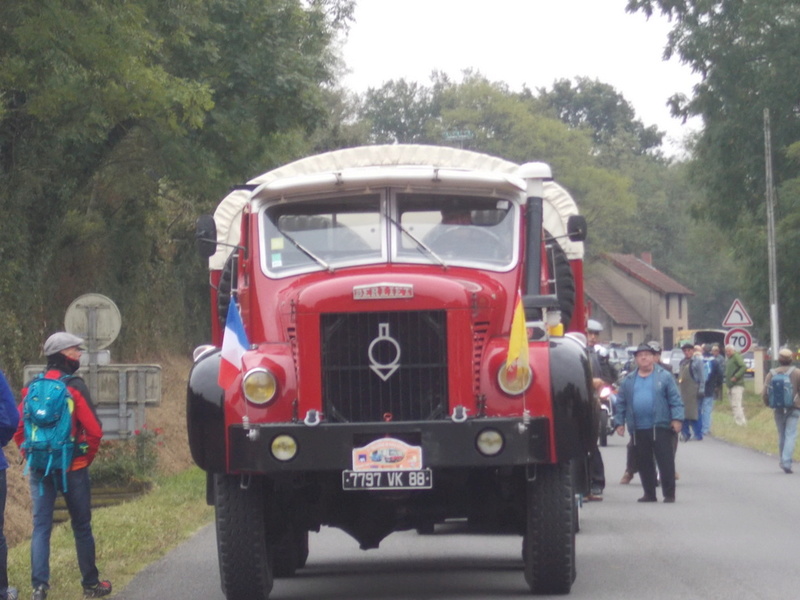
[387, 480]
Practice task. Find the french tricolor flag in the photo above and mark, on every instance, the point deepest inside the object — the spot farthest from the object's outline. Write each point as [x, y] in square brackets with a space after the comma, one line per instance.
[234, 345]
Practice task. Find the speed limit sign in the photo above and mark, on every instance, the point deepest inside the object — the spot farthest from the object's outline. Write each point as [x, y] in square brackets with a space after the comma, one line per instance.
[740, 339]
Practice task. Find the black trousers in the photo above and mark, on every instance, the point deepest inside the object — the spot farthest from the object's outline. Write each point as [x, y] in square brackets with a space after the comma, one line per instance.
[653, 446]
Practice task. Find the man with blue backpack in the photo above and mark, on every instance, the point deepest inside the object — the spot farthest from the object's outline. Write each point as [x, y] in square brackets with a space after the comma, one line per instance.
[59, 435]
[780, 393]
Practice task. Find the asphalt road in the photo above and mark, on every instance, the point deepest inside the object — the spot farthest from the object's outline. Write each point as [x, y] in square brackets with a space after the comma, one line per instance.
[733, 533]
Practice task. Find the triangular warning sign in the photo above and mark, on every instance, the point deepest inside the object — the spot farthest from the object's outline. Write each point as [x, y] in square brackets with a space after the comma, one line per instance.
[737, 316]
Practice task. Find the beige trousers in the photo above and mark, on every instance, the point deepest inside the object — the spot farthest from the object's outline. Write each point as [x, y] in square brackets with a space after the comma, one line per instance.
[736, 393]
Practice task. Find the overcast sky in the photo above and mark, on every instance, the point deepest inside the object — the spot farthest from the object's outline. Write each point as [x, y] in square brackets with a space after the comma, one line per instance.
[521, 42]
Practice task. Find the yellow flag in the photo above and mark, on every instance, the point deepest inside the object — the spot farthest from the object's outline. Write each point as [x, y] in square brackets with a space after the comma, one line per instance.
[517, 360]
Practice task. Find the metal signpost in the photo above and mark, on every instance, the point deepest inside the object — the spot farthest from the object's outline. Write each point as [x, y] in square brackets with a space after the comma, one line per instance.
[121, 392]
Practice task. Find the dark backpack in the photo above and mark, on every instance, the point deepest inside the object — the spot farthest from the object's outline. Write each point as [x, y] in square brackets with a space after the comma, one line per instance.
[781, 391]
[47, 416]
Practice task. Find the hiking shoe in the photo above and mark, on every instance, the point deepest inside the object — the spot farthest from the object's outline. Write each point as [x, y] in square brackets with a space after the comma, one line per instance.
[627, 477]
[102, 588]
[669, 499]
[12, 593]
[787, 470]
[648, 499]
[39, 592]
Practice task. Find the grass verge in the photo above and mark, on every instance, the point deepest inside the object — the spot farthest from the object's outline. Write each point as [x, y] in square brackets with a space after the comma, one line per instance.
[760, 433]
[129, 536]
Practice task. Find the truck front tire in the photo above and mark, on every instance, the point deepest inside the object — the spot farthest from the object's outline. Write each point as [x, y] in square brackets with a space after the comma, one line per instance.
[548, 546]
[244, 567]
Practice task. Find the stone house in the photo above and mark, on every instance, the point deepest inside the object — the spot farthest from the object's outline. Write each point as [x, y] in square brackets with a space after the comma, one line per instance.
[636, 302]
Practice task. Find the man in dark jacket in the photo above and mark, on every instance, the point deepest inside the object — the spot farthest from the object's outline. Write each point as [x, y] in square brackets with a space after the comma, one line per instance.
[63, 352]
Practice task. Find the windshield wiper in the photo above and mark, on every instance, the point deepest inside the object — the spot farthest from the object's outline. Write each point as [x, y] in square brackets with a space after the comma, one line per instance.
[420, 244]
[307, 252]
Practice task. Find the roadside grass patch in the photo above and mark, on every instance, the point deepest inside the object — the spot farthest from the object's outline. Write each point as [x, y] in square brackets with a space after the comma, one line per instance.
[129, 536]
[760, 433]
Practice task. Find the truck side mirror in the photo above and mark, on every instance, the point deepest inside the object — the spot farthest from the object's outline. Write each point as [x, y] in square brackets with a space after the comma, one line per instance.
[206, 236]
[576, 228]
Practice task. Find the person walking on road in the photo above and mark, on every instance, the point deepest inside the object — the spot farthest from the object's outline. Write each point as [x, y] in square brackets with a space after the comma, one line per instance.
[735, 370]
[650, 405]
[785, 418]
[691, 379]
[9, 421]
[63, 352]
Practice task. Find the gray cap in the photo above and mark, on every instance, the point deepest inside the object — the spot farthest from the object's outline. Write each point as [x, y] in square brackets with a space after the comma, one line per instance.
[61, 341]
[593, 325]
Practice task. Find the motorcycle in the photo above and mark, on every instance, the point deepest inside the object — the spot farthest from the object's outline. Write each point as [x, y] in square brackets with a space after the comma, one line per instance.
[607, 398]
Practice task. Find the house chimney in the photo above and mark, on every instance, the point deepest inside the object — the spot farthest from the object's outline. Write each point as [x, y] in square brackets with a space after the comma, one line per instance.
[648, 258]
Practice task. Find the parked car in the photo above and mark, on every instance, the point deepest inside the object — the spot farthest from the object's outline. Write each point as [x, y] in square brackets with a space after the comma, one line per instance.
[749, 362]
[672, 360]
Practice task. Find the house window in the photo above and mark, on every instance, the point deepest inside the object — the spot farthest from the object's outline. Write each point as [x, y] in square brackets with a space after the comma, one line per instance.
[666, 299]
[680, 307]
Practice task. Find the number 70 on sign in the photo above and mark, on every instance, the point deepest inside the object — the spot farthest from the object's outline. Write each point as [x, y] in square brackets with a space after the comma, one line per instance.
[740, 339]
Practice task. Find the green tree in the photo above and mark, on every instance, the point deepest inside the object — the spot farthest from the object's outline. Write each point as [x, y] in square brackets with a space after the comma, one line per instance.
[748, 55]
[119, 123]
[604, 112]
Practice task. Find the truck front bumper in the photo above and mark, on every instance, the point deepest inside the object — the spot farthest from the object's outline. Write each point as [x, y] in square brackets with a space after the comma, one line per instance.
[329, 446]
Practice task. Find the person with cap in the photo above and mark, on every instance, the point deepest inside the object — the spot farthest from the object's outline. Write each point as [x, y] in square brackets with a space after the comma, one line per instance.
[63, 353]
[735, 370]
[785, 418]
[631, 467]
[9, 421]
[691, 381]
[601, 369]
[650, 405]
[598, 354]
[713, 379]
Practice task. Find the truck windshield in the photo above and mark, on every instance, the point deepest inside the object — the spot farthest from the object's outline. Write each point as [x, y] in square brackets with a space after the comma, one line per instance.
[322, 233]
[464, 230]
[341, 231]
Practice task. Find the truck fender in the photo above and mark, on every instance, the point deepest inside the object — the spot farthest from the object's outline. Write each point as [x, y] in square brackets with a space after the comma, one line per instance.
[575, 412]
[205, 418]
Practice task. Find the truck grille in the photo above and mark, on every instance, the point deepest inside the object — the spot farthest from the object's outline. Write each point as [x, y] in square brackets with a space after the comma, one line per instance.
[384, 366]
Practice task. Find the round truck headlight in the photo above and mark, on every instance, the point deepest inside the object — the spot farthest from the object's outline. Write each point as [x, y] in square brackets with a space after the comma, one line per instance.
[259, 386]
[490, 442]
[514, 381]
[283, 447]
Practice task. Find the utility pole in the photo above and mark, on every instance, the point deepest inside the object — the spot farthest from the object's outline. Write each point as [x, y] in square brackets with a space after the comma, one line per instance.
[773, 271]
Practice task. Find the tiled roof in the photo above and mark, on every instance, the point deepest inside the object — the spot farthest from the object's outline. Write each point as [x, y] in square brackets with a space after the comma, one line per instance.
[646, 273]
[612, 302]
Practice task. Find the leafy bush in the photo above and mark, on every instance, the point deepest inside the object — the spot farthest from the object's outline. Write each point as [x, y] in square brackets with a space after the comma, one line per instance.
[128, 461]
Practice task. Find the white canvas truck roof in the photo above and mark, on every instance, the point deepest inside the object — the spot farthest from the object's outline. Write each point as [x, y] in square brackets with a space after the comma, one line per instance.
[558, 204]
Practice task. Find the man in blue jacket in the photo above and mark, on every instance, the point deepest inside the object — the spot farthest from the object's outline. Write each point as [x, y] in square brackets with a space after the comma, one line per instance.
[649, 403]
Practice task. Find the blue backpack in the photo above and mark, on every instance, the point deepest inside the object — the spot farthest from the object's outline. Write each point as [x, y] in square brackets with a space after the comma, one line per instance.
[47, 416]
[781, 391]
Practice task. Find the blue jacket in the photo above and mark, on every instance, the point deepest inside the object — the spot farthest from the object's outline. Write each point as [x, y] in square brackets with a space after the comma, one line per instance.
[9, 417]
[667, 403]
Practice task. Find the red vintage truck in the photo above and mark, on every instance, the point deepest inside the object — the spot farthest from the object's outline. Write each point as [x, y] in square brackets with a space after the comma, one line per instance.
[414, 353]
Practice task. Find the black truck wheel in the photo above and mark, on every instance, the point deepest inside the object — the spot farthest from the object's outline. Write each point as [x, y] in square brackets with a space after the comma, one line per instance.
[548, 546]
[244, 566]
